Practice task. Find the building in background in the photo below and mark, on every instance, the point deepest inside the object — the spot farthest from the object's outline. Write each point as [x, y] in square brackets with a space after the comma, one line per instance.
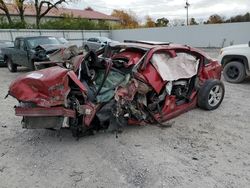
[88, 13]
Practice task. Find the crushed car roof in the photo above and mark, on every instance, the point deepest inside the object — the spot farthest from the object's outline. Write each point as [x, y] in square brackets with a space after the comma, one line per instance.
[147, 45]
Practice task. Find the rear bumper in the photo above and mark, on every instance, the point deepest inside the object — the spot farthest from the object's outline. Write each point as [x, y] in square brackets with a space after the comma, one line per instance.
[45, 118]
[45, 112]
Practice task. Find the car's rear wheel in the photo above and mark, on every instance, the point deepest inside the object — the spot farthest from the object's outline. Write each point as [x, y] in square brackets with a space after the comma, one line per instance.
[86, 48]
[234, 72]
[3, 63]
[11, 66]
[33, 66]
[211, 94]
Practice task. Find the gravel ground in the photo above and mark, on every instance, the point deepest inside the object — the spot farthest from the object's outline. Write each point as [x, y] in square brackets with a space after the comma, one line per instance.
[202, 149]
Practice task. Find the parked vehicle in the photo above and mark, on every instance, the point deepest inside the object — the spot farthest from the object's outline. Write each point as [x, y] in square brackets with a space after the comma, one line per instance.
[96, 43]
[4, 44]
[133, 82]
[28, 50]
[236, 62]
[62, 40]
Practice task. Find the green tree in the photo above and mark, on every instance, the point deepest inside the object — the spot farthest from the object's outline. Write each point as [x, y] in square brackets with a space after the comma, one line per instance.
[69, 22]
[239, 18]
[162, 22]
[193, 21]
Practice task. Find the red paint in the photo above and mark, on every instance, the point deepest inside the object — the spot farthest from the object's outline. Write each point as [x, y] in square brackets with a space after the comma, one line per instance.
[153, 77]
[171, 110]
[48, 112]
[128, 92]
[73, 76]
[49, 87]
[89, 113]
[131, 56]
[212, 71]
[76, 61]
[46, 87]
[168, 50]
[178, 111]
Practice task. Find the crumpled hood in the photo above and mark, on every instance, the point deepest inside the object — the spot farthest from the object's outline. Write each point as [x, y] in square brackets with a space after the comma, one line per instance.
[48, 47]
[46, 88]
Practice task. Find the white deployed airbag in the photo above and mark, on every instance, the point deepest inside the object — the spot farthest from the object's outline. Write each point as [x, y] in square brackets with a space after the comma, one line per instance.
[179, 67]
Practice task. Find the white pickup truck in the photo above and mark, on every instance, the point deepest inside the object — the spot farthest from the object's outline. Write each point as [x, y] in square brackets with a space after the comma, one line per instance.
[236, 62]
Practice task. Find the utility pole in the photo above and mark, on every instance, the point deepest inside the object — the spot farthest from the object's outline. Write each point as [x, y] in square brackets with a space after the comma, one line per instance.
[186, 7]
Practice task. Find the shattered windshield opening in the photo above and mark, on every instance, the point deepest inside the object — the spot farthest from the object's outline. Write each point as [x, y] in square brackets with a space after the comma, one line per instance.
[34, 42]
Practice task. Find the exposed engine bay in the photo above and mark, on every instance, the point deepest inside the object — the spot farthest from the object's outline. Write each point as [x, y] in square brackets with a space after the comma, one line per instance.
[112, 84]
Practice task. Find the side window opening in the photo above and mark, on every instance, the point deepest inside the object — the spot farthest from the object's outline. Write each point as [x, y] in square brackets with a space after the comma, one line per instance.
[22, 45]
[17, 43]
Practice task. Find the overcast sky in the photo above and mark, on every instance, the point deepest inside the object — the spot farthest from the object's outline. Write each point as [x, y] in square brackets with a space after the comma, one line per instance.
[170, 9]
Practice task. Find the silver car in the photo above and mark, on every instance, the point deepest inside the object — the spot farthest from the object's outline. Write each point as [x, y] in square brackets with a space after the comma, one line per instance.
[95, 43]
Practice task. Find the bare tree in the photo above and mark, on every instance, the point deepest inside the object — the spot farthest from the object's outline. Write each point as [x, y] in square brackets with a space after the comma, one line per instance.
[43, 7]
[18, 4]
[4, 8]
[149, 22]
[20, 7]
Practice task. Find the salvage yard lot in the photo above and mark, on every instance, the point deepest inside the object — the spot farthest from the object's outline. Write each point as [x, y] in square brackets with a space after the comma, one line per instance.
[202, 149]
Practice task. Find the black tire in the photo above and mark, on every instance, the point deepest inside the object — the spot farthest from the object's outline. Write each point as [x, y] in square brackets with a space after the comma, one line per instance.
[86, 48]
[33, 67]
[11, 66]
[3, 64]
[234, 72]
[211, 94]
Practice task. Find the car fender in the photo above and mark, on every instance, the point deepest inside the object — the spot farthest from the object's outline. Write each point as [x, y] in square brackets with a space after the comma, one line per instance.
[231, 53]
[46, 87]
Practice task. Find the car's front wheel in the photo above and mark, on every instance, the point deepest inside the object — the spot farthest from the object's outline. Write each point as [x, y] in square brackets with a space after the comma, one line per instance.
[11, 66]
[211, 94]
[86, 48]
[33, 66]
[234, 72]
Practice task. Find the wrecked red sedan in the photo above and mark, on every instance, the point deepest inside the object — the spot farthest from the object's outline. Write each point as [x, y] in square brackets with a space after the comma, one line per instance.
[134, 82]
